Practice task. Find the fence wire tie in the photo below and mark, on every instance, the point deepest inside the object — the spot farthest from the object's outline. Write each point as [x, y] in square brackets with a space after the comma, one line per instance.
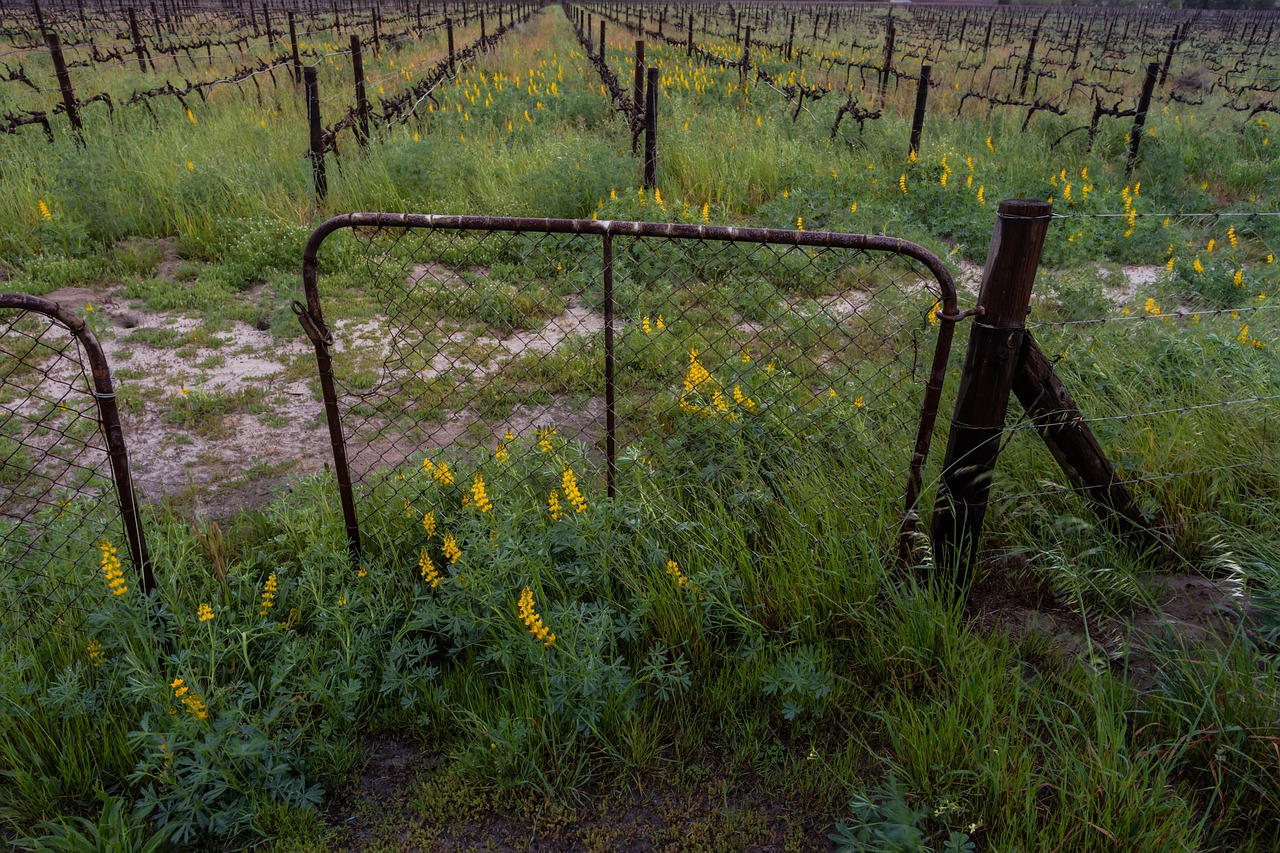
[100, 396]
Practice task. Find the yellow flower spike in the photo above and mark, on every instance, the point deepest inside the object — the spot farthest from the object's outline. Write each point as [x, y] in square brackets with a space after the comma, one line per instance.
[428, 569]
[529, 616]
[705, 212]
[799, 223]
[95, 652]
[1238, 278]
[501, 454]
[661, 324]
[44, 210]
[902, 183]
[1209, 248]
[1197, 266]
[858, 401]
[479, 499]
[991, 147]
[191, 116]
[1243, 337]
[569, 483]
[450, 548]
[645, 326]
[553, 505]
[111, 568]
[268, 595]
[443, 474]
[204, 612]
[933, 313]
[429, 523]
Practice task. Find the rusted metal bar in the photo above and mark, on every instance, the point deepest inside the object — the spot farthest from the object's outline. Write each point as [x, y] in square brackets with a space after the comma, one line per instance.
[610, 385]
[104, 395]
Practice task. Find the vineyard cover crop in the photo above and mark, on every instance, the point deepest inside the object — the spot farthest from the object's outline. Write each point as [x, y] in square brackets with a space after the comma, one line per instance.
[728, 652]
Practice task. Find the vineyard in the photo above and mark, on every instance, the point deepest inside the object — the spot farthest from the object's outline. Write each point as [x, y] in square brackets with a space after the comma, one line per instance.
[728, 426]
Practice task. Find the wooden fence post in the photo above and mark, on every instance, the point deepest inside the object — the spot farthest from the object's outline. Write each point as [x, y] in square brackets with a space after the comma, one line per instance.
[64, 80]
[992, 359]
[448, 28]
[138, 49]
[362, 100]
[638, 96]
[293, 43]
[1140, 119]
[651, 131]
[317, 133]
[922, 96]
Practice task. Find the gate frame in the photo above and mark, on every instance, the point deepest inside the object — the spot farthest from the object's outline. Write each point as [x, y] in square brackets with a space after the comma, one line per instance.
[104, 394]
[311, 317]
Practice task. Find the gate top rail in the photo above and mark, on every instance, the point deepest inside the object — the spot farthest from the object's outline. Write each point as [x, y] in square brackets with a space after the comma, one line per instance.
[622, 228]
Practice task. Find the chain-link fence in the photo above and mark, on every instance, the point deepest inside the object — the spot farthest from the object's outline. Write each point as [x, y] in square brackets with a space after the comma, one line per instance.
[550, 364]
[61, 518]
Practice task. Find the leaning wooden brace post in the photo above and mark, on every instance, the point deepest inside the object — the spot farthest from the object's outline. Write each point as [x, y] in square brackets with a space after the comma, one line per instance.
[995, 344]
[1057, 419]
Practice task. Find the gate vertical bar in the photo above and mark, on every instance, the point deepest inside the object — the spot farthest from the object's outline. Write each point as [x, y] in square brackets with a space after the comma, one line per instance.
[610, 411]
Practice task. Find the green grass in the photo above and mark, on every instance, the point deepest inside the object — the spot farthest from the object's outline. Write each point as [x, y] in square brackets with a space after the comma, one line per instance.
[797, 654]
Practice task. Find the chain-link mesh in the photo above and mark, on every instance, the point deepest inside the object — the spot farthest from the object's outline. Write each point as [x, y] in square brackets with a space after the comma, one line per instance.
[514, 366]
[57, 503]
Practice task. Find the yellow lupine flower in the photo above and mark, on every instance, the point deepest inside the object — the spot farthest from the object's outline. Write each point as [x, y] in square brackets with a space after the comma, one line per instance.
[428, 569]
[268, 595]
[569, 483]
[204, 612]
[529, 616]
[44, 210]
[111, 568]
[478, 497]
[450, 548]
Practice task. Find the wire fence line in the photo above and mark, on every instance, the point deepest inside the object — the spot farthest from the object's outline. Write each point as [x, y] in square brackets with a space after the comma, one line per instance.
[1174, 370]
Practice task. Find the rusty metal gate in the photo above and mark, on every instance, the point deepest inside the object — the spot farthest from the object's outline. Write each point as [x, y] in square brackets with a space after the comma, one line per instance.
[736, 368]
[67, 510]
